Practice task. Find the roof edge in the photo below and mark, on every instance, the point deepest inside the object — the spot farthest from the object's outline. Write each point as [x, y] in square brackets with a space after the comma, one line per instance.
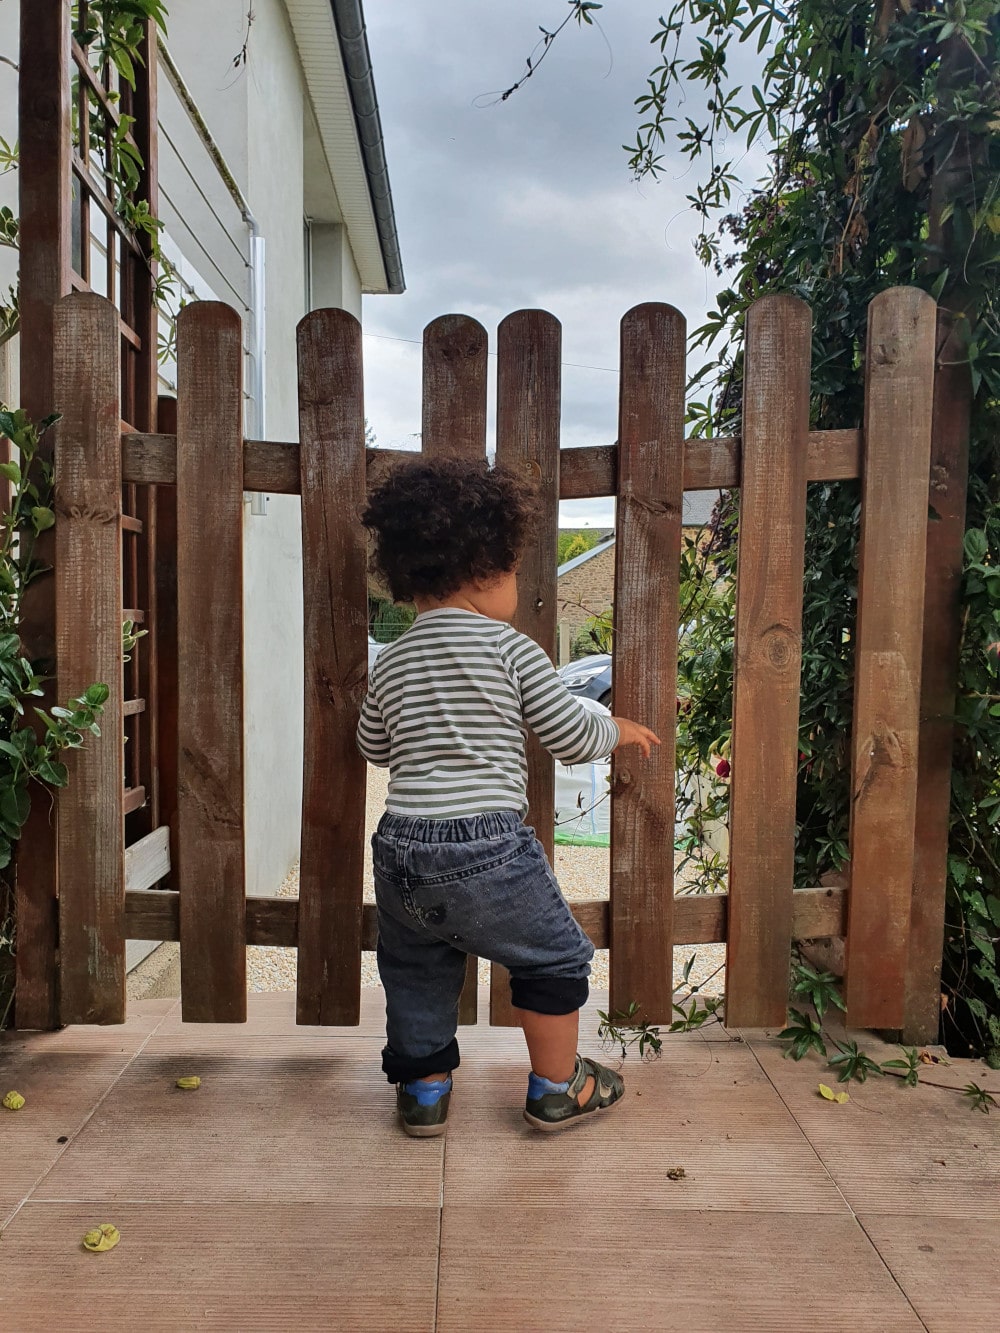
[582, 559]
[349, 21]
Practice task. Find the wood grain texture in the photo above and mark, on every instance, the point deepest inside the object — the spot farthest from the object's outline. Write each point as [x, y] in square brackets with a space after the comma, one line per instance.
[148, 861]
[91, 846]
[334, 573]
[272, 465]
[647, 574]
[165, 631]
[43, 87]
[899, 405]
[210, 856]
[768, 658]
[698, 918]
[529, 344]
[454, 388]
[454, 426]
[939, 672]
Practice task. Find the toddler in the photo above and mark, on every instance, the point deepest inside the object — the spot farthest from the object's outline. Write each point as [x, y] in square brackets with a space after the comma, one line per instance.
[457, 872]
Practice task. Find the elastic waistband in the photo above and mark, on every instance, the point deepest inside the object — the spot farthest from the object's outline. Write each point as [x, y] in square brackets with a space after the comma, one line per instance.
[474, 828]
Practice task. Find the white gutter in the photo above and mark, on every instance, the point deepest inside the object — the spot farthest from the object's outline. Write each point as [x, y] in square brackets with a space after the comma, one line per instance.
[258, 327]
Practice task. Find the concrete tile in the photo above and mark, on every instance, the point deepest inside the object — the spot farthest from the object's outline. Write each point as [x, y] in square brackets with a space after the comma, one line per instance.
[882, 1110]
[256, 1129]
[60, 1092]
[294, 1266]
[738, 1146]
[659, 1271]
[947, 1268]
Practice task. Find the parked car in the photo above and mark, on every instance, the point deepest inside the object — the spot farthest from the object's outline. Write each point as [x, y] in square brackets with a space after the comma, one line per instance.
[374, 649]
[589, 678]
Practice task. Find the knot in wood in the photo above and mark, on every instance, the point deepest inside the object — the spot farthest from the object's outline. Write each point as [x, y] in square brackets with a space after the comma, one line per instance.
[622, 778]
[939, 479]
[780, 646]
[883, 355]
[86, 513]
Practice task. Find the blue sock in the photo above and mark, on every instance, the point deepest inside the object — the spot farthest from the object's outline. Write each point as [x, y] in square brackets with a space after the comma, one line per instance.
[427, 1094]
[539, 1087]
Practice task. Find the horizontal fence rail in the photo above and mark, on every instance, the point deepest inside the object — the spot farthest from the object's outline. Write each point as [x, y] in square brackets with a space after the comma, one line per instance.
[584, 474]
[209, 464]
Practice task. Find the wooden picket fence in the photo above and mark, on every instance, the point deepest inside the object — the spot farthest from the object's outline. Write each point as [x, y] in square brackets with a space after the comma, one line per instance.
[210, 465]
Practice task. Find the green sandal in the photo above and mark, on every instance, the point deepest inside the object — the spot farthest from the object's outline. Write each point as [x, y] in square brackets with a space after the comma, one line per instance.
[421, 1121]
[559, 1110]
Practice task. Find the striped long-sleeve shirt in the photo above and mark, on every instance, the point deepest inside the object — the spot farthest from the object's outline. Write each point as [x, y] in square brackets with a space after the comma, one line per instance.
[446, 711]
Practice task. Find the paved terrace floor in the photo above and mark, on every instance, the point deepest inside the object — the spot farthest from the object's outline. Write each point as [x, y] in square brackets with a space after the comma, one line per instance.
[281, 1195]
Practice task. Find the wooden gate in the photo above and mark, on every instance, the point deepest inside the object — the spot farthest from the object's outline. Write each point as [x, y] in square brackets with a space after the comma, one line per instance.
[210, 464]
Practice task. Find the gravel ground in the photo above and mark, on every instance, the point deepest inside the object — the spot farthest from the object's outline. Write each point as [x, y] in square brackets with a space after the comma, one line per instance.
[583, 873]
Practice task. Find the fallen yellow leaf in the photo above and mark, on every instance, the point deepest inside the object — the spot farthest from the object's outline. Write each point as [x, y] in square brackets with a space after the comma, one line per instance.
[13, 1101]
[829, 1095]
[104, 1237]
[189, 1084]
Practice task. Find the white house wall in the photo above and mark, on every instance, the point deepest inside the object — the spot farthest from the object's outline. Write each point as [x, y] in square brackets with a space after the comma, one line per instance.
[272, 547]
[255, 114]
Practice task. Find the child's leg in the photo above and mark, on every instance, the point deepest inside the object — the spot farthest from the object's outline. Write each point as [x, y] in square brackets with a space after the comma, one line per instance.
[423, 978]
[552, 1042]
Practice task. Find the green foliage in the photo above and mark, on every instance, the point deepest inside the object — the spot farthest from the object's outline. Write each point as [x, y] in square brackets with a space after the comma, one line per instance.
[880, 125]
[851, 1062]
[624, 1028]
[387, 621]
[821, 989]
[910, 1064]
[115, 29]
[804, 1034]
[33, 741]
[979, 1098]
[574, 542]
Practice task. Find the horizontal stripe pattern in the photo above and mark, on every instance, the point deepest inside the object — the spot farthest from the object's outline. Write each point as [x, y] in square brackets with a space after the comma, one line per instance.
[446, 712]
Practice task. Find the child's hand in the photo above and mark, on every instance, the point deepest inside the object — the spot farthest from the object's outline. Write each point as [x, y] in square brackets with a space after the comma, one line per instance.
[633, 733]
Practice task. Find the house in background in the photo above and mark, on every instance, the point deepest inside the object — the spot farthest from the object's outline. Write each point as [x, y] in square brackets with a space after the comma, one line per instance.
[585, 585]
[274, 192]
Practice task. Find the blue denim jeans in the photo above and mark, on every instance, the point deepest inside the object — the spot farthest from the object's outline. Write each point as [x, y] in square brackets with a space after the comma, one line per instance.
[447, 888]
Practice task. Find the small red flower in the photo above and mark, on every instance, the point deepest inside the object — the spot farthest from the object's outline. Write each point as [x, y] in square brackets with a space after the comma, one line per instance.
[723, 768]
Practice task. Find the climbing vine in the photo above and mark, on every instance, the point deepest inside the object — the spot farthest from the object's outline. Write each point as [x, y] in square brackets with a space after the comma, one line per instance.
[31, 756]
[881, 122]
[112, 31]
[33, 741]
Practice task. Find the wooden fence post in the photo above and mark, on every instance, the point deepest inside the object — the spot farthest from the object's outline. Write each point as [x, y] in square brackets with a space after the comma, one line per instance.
[529, 346]
[454, 426]
[165, 630]
[647, 575]
[44, 182]
[939, 672]
[768, 657]
[899, 394]
[334, 569]
[91, 832]
[210, 870]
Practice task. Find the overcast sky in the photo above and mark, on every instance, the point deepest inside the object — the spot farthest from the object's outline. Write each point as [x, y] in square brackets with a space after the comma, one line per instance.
[528, 203]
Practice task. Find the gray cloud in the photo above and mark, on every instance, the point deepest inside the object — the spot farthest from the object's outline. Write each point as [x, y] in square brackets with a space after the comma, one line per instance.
[525, 203]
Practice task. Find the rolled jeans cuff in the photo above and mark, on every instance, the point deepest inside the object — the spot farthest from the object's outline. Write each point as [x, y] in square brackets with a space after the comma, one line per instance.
[549, 995]
[402, 1068]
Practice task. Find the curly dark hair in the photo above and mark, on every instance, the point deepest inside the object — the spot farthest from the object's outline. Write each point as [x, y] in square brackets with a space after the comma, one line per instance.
[440, 523]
